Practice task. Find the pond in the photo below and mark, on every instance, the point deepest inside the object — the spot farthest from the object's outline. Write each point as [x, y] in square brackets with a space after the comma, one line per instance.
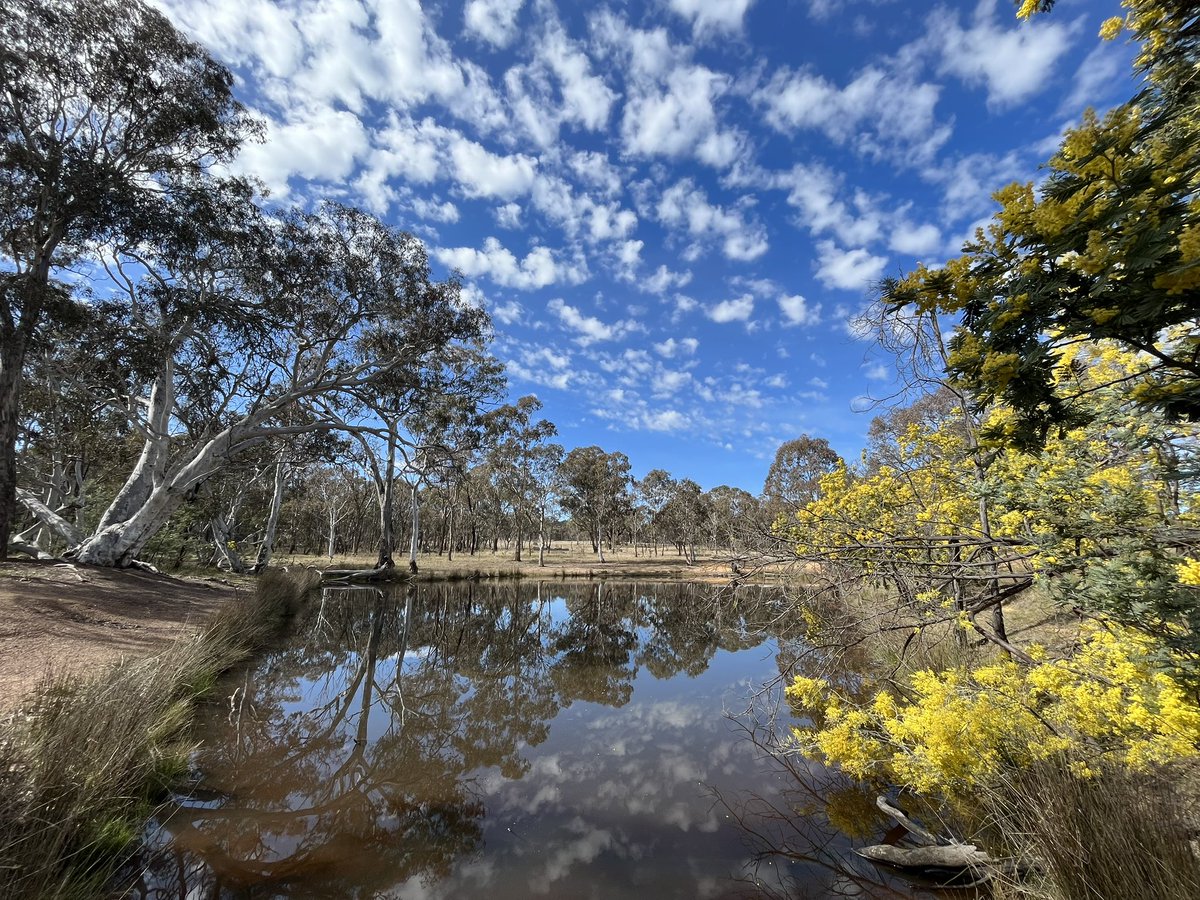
[510, 740]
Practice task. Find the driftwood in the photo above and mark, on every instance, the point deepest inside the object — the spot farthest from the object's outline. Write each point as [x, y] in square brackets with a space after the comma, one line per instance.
[943, 860]
[388, 573]
[951, 857]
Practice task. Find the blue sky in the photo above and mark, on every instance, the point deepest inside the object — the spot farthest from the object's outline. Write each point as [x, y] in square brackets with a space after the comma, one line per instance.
[671, 208]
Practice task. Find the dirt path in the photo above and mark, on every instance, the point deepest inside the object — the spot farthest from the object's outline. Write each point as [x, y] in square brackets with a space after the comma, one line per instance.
[59, 618]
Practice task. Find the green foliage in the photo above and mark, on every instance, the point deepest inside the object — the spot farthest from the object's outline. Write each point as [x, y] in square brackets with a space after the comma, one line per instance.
[1108, 249]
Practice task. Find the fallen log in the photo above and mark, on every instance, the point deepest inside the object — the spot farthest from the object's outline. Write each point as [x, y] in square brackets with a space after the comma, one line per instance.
[940, 860]
[388, 573]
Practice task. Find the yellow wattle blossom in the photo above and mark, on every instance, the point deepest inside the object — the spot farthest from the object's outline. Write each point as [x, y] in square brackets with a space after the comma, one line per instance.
[1188, 572]
[961, 728]
[1111, 28]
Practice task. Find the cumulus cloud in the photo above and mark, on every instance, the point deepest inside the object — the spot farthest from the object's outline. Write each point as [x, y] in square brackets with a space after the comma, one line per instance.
[813, 189]
[542, 365]
[738, 309]
[1012, 62]
[493, 20]
[671, 102]
[538, 269]
[686, 206]
[915, 240]
[671, 347]
[709, 16]
[881, 113]
[321, 144]
[589, 329]
[797, 310]
[850, 270]
[663, 280]
[558, 87]
[482, 173]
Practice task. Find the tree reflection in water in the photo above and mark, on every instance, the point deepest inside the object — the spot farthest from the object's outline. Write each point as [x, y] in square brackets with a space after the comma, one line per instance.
[401, 744]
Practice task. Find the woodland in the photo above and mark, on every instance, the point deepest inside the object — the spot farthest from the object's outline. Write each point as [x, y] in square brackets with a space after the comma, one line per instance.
[191, 377]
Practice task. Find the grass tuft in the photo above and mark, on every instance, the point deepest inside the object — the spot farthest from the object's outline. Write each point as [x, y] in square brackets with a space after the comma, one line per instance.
[1114, 835]
[87, 760]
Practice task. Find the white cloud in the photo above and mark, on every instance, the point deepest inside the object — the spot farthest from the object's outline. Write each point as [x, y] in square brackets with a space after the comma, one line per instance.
[883, 114]
[968, 182]
[589, 328]
[482, 173]
[508, 215]
[596, 170]
[677, 118]
[737, 310]
[670, 106]
[666, 420]
[827, 9]
[797, 311]
[509, 313]
[557, 87]
[433, 210]
[542, 365]
[710, 16]
[671, 347]
[877, 372]
[1012, 63]
[538, 269]
[1097, 76]
[664, 280]
[493, 20]
[580, 214]
[915, 240]
[316, 144]
[850, 270]
[813, 189]
[686, 205]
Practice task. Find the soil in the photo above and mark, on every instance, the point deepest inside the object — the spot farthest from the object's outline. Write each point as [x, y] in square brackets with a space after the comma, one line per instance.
[57, 618]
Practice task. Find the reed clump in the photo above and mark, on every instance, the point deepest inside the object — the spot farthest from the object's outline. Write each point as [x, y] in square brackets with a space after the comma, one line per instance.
[1114, 834]
[88, 758]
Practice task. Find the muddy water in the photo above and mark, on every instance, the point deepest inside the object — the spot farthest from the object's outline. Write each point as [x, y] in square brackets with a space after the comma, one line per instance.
[510, 741]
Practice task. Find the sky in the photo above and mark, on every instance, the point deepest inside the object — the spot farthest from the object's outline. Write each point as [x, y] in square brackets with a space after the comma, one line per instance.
[672, 209]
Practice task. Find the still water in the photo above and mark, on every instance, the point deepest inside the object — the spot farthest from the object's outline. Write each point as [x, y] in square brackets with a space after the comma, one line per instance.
[512, 741]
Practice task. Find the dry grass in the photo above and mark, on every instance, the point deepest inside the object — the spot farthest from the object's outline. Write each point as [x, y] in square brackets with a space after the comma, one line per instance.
[1114, 836]
[84, 764]
[567, 559]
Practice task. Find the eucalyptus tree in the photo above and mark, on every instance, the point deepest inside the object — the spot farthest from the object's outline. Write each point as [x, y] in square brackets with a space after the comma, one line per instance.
[795, 473]
[418, 425]
[595, 489]
[525, 465]
[320, 304]
[104, 107]
[651, 495]
[732, 514]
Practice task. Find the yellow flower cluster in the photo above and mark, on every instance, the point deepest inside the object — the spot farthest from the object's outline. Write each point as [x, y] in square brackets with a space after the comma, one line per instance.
[958, 729]
[1188, 572]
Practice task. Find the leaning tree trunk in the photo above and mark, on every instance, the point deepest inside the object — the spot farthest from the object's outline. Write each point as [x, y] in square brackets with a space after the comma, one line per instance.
[387, 537]
[600, 540]
[151, 463]
[12, 361]
[268, 545]
[541, 536]
[414, 538]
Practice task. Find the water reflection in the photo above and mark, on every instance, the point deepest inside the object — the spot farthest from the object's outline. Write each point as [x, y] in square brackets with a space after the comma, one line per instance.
[452, 739]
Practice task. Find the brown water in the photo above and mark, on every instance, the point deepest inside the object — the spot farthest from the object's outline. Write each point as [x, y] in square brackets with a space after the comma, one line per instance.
[511, 741]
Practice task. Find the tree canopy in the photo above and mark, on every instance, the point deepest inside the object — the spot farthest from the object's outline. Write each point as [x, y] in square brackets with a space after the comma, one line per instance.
[1107, 248]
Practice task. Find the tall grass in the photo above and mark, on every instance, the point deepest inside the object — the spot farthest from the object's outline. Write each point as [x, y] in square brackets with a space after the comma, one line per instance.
[1113, 836]
[88, 759]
